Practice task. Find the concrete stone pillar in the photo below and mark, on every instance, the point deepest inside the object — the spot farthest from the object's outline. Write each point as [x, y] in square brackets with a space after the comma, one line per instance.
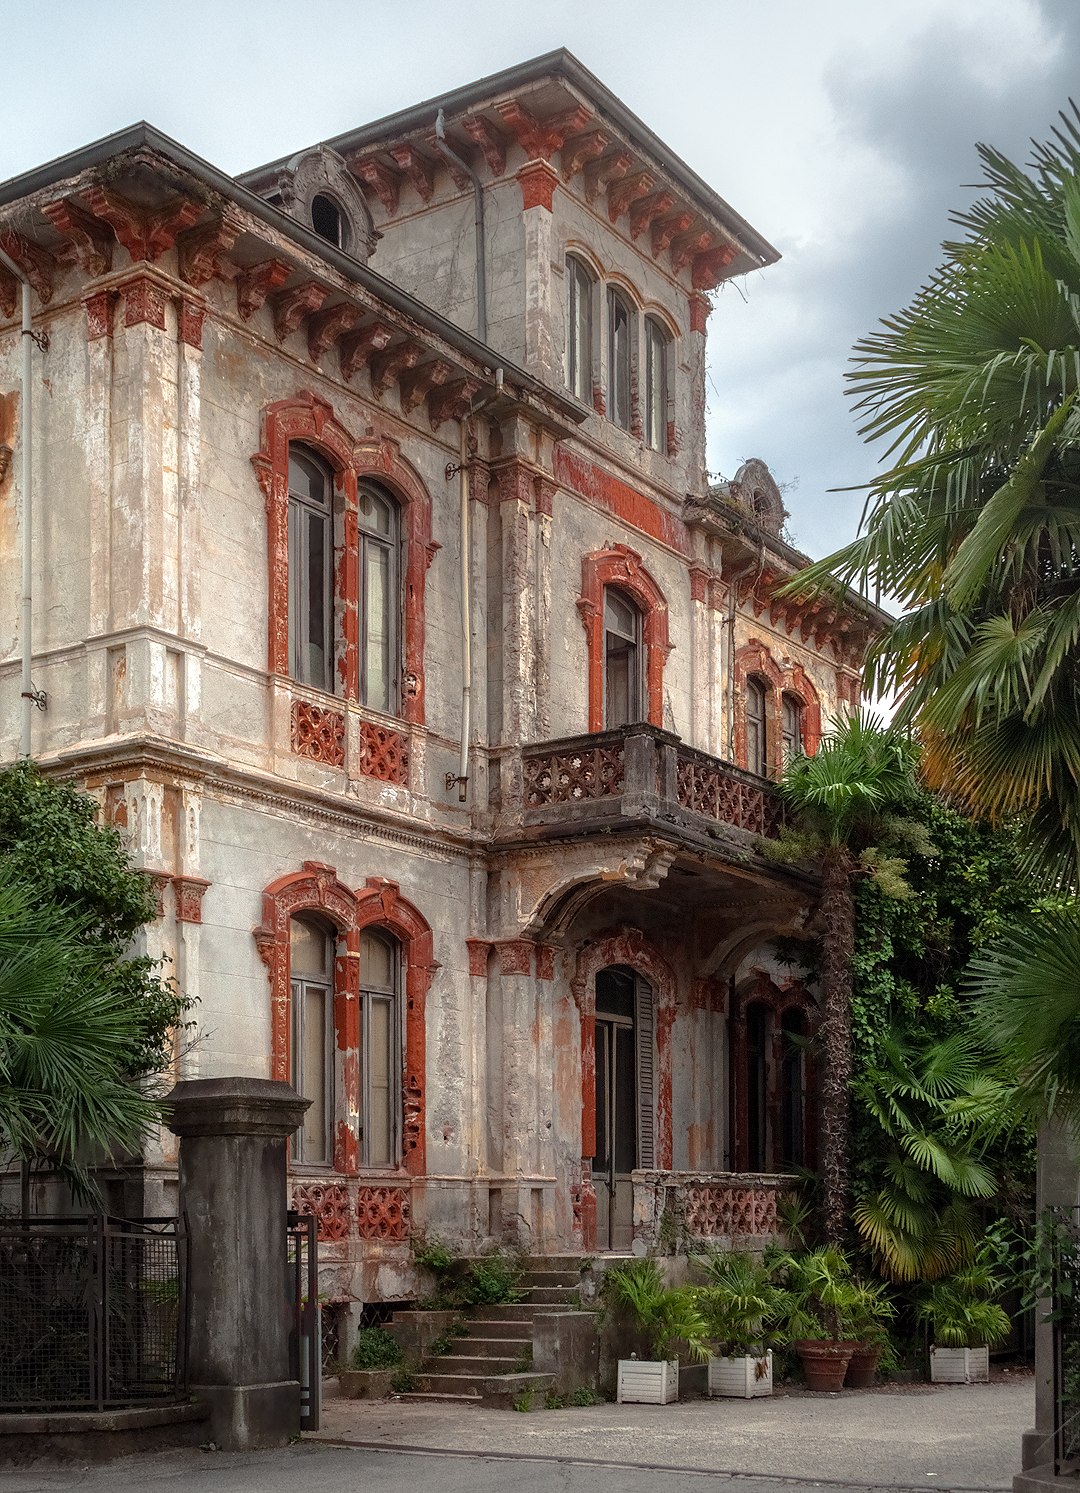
[233, 1153]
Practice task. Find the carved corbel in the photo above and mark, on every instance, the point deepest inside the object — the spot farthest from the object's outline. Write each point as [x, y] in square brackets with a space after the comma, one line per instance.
[325, 327]
[357, 347]
[255, 284]
[389, 366]
[601, 173]
[583, 148]
[202, 252]
[35, 264]
[291, 306]
[145, 235]
[644, 213]
[687, 246]
[417, 167]
[666, 229]
[452, 401]
[89, 241]
[492, 142]
[628, 189]
[708, 267]
[384, 181]
[417, 384]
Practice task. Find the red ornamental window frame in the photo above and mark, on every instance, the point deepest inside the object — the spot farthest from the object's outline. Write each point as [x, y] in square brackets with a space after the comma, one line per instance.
[762, 991]
[379, 903]
[753, 660]
[619, 566]
[308, 420]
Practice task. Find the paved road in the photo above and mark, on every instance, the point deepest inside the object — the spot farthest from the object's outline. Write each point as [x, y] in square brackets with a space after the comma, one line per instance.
[354, 1470]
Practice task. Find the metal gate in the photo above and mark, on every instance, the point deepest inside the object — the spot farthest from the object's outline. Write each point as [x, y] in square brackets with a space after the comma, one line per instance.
[305, 1327]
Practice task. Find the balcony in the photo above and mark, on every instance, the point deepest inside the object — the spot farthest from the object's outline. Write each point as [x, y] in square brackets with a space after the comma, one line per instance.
[612, 779]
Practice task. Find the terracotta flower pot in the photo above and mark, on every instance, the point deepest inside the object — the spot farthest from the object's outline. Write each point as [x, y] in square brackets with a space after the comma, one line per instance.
[825, 1364]
[862, 1368]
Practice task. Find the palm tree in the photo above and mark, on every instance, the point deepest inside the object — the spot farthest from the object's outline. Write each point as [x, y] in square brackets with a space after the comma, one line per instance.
[975, 527]
[68, 1029]
[846, 801]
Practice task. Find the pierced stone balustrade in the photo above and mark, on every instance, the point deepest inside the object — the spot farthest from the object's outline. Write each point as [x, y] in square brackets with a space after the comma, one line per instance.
[679, 1210]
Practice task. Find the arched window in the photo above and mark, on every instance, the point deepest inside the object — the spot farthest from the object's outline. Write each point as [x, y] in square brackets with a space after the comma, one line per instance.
[311, 985]
[311, 569]
[620, 338]
[327, 220]
[579, 329]
[622, 660]
[757, 753]
[656, 391]
[772, 1079]
[378, 540]
[791, 726]
[380, 1049]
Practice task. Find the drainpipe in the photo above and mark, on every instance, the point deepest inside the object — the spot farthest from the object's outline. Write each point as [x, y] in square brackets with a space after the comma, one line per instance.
[445, 149]
[461, 469]
[29, 696]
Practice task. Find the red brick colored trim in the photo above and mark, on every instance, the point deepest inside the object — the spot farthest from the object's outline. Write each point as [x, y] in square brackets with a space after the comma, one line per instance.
[190, 322]
[538, 181]
[760, 990]
[380, 903]
[700, 307]
[754, 659]
[144, 303]
[545, 961]
[630, 947]
[619, 566]
[189, 892]
[99, 314]
[515, 956]
[479, 952]
[595, 485]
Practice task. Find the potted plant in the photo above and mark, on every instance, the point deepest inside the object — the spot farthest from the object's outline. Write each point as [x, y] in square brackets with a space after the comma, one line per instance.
[823, 1302]
[666, 1316]
[965, 1322]
[740, 1304]
[868, 1317]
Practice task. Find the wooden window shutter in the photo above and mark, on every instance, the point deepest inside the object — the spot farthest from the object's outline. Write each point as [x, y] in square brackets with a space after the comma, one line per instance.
[646, 1067]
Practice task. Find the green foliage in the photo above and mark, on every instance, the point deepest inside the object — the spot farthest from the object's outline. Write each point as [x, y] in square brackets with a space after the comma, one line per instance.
[960, 1310]
[524, 1402]
[375, 1349]
[493, 1280]
[861, 771]
[823, 1301]
[667, 1315]
[741, 1303]
[432, 1254]
[403, 1381]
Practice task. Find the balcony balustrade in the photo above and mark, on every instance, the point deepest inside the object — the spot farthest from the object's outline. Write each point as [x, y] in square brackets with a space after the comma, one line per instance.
[676, 1211]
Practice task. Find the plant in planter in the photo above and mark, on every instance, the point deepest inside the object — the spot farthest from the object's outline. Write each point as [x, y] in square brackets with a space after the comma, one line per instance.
[667, 1316]
[869, 1315]
[965, 1323]
[740, 1304]
[822, 1316]
[371, 1366]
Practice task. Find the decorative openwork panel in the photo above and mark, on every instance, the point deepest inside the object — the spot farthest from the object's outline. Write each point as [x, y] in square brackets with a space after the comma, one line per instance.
[318, 733]
[329, 1203]
[383, 1213]
[708, 787]
[384, 754]
[714, 1210]
[574, 776]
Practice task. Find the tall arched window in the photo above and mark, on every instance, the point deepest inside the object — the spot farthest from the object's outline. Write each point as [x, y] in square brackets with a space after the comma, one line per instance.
[380, 1049]
[622, 660]
[620, 338]
[378, 540]
[656, 391]
[311, 569]
[792, 1089]
[311, 985]
[579, 329]
[791, 726]
[757, 754]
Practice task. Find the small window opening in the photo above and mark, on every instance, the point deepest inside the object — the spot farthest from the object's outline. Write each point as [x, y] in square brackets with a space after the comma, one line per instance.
[327, 220]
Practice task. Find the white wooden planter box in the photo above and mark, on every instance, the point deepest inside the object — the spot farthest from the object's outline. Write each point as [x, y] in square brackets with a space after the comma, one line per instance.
[741, 1378]
[643, 1381]
[959, 1365]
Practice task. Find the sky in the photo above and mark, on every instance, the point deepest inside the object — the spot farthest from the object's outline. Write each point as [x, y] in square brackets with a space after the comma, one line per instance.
[844, 130]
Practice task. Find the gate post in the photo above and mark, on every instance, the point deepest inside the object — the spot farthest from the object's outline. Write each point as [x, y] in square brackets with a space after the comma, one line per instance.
[233, 1156]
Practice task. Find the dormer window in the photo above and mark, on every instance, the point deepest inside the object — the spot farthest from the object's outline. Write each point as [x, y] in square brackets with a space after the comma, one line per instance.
[656, 393]
[620, 334]
[327, 220]
[579, 333]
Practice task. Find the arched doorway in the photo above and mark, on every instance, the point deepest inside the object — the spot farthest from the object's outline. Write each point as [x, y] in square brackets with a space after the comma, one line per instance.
[624, 1100]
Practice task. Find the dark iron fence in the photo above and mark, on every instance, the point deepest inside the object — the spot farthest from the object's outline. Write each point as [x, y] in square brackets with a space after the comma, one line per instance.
[93, 1312]
[305, 1330]
[1065, 1320]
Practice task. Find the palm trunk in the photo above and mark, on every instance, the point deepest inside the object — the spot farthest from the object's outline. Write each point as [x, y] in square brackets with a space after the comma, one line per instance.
[838, 943]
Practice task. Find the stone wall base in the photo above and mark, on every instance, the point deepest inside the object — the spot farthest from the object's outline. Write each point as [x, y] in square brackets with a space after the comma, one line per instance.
[101, 1435]
[251, 1417]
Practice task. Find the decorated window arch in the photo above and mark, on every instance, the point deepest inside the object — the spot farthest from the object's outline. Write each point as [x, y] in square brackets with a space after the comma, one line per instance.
[317, 896]
[791, 705]
[375, 467]
[772, 1081]
[623, 571]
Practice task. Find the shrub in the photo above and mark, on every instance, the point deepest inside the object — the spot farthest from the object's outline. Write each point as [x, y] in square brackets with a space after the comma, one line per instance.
[375, 1349]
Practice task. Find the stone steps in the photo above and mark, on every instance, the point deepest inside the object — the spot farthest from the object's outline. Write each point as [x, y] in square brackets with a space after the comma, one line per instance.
[490, 1389]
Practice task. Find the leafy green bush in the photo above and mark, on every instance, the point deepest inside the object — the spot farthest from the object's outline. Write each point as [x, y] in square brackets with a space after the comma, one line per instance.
[961, 1311]
[741, 1303]
[375, 1349]
[667, 1315]
[493, 1280]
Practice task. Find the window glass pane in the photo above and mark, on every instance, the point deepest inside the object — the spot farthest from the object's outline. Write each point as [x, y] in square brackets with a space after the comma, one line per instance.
[326, 218]
[308, 949]
[756, 754]
[378, 962]
[308, 478]
[625, 1105]
[655, 386]
[615, 992]
[311, 1077]
[377, 627]
[378, 1074]
[618, 361]
[619, 615]
[792, 727]
[296, 588]
[376, 513]
[579, 330]
[619, 690]
[317, 601]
